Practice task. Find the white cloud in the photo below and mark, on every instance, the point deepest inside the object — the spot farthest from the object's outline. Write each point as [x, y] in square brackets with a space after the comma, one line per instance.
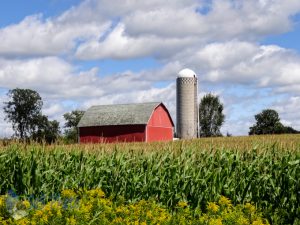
[5, 127]
[37, 36]
[157, 28]
[246, 63]
[57, 78]
[288, 110]
[118, 45]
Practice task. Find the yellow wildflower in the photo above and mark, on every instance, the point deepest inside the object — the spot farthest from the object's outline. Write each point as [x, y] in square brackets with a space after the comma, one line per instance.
[118, 220]
[223, 201]
[2, 201]
[215, 222]
[38, 213]
[213, 207]
[250, 208]
[149, 215]
[26, 204]
[96, 193]
[182, 204]
[203, 218]
[71, 221]
[24, 221]
[68, 194]
[44, 218]
[242, 221]
[257, 222]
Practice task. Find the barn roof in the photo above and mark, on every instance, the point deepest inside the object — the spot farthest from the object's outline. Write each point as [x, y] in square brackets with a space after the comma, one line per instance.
[120, 114]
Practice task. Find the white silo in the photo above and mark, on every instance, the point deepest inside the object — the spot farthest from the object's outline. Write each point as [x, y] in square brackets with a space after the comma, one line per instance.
[187, 104]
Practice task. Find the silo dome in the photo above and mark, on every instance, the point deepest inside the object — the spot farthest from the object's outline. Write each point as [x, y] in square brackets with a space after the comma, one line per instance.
[186, 73]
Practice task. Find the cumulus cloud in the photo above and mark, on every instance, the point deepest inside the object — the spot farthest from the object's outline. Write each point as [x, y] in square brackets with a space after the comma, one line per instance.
[118, 45]
[247, 63]
[35, 35]
[57, 78]
[288, 110]
[163, 30]
[159, 28]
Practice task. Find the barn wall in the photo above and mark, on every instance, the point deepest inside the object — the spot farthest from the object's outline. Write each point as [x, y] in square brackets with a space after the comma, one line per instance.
[110, 134]
[160, 127]
[159, 134]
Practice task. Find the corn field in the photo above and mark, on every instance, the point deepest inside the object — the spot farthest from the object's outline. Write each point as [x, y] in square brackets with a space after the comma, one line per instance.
[262, 170]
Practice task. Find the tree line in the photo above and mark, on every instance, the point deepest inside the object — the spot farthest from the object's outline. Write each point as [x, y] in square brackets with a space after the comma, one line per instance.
[24, 112]
[211, 118]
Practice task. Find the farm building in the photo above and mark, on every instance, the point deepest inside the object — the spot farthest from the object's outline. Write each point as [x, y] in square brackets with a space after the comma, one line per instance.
[144, 122]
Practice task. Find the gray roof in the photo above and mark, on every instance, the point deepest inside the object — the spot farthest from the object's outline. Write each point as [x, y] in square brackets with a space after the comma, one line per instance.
[121, 114]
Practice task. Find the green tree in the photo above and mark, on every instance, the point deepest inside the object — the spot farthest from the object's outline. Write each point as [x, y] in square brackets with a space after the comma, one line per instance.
[22, 110]
[46, 130]
[72, 119]
[290, 130]
[211, 116]
[268, 122]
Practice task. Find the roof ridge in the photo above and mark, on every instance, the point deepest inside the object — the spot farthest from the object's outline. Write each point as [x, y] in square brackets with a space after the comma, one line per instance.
[138, 103]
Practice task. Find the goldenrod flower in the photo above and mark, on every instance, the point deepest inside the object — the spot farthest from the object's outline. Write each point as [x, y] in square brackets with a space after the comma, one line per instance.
[149, 215]
[2, 201]
[38, 213]
[24, 221]
[68, 194]
[182, 204]
[215, 222]
[44, 218]
[250, 208]
[96, 193]
[26, 204]
[223, 201]
[213, 207]
[258, 222]
[71, 221]
[242, 221]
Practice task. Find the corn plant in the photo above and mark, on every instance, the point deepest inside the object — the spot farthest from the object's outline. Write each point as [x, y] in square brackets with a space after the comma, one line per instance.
[264, 171]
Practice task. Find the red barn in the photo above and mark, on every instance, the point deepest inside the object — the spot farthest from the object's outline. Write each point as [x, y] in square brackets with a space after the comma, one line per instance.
[144, 122]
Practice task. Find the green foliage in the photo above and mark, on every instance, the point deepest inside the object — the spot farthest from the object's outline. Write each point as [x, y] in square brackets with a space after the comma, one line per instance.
[268, 122]
[92, 207]
[22, 110]
[267, 174]
[211, 116]
[72, 119]
[47, 131]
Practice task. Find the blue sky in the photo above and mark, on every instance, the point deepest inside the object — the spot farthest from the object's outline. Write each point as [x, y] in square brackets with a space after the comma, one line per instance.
[78, 53]
[14, 11]
[289, 39]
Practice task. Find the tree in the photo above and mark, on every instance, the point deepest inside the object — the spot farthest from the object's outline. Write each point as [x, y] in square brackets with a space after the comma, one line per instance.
[268, 122]
[211, 116]
[72, 119]
[22, 110]
[46, 130]
[290, 130]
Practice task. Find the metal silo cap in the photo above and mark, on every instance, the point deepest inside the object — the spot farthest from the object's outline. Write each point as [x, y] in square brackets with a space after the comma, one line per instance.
[186, 73]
